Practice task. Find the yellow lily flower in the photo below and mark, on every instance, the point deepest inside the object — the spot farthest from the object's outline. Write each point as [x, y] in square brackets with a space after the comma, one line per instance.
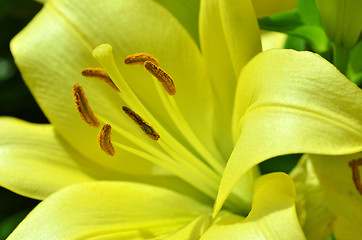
[342, 20]
[329, 196]
[342, 23]
[160, 171]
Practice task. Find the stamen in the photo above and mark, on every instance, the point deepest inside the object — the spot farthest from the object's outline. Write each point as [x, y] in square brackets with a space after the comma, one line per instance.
[82, 105]
[104, 139]
[101, 74]
[145, 126]
[140, 58]
[355, 173]
[165, 79]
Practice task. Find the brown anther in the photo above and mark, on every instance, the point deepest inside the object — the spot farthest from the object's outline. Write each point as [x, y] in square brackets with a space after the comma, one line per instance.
[355, 173]
[140, 58]
[100, 74]
[165, 79]
[82, 105]
[104, 139]
[145, 126]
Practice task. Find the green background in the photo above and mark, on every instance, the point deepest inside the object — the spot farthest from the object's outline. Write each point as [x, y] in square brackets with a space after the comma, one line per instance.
[15, 100]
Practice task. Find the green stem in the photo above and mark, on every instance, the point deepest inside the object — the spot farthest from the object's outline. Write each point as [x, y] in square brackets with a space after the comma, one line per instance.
[340, 57]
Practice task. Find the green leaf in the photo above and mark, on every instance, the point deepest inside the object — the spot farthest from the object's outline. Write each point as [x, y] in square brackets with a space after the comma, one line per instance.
[281, 22]
[354, 68]
[8, 224]
[295, 43]
[309, 13]
[293, 24]
[314, 35]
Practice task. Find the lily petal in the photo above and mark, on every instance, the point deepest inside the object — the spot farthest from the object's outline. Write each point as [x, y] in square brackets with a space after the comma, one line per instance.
[328, 197]
[192, 230]
[200, 225]
[310, 205]
[344, 229]
[229, 37]
[57, 45]
[109, 210]
[291, 102]
[272, 216]
[34, 161]
[341, 196]
[219, 21]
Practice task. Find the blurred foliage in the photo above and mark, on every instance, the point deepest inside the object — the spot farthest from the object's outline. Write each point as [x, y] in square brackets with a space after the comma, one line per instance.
[354, 68]
[13, 208]
[306, 32]
[303, 23]
[280, 164]
[15, 100]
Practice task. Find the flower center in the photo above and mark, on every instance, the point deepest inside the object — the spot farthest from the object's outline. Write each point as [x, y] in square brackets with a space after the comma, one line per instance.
[193, 162]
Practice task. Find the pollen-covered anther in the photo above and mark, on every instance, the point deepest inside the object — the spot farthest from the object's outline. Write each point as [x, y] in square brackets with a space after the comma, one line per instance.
[83, 107]
[104, 139]
[355, 173]
[140, 58]
[100, 74]
[165, 79]
[145, 126]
